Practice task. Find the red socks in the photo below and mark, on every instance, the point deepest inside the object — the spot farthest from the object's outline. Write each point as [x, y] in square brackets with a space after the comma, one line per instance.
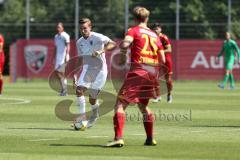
[1, 85]
[118, 121]
[169, 81]
[148, 125]
[169, 86]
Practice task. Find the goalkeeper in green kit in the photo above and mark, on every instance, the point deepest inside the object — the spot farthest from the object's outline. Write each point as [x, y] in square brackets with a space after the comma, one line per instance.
[229, 48]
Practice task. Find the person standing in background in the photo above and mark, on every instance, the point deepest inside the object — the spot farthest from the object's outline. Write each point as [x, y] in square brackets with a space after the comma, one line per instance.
[2, 61]
[62, 49]
[168, 54]
[229, 48]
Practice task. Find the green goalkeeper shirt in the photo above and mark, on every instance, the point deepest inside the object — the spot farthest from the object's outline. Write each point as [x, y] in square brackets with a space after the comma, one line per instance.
[229, 47]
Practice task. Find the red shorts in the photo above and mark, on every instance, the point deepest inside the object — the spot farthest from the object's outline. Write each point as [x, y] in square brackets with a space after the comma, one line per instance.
[168, 63]
[2, 61]
[138, 87]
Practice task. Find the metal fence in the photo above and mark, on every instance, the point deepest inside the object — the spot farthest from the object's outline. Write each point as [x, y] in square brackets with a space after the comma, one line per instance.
[181, 19]
[175, 22]
[174, 15]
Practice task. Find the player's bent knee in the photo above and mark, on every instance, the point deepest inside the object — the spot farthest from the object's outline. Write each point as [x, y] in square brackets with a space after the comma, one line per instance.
[144, 109]
[148, 111]
[228, 71]
[169, 81]
[80, 91]
[92, 101]
[169, 77]
[60, 74]
[120, 107]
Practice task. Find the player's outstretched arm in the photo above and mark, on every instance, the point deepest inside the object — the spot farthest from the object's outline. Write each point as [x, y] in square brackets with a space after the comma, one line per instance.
[168, 45]
[124, 45]
[1, 46]
[169, 49]
[162, 54]
[111, 45]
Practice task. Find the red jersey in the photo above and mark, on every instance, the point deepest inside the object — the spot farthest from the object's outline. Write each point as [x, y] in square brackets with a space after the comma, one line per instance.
[1, 42]
[145, 46]
[141, 80]
[2, 57]
[165, 41]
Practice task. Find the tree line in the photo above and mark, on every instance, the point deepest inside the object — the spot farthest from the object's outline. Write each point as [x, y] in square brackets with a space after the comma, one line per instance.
[199, 19]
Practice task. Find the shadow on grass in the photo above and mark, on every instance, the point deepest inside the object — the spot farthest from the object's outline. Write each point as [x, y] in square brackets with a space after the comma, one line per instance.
[76, 145]
[93, 145]
[46, 129]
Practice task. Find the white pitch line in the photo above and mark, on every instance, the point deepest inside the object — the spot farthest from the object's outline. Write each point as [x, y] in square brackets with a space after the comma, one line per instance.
[198, 131]
[233, 129]
[22, 101]
[37, 140]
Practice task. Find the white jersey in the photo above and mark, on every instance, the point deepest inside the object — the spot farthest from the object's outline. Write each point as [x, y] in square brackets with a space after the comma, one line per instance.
[94, 42]
[86, 48]
[61, 40]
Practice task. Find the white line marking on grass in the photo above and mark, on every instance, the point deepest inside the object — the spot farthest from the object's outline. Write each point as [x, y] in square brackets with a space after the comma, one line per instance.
[234, 129]
[21, 101]
[198, 131]
[37, 140]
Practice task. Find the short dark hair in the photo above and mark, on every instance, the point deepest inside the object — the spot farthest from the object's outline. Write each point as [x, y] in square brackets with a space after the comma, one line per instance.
[85, 20]
[155, 25]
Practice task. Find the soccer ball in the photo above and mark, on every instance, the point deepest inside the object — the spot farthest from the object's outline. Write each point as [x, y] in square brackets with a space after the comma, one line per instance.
[80, 125]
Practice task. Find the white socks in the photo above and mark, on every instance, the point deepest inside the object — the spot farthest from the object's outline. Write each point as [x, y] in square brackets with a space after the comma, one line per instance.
[81, 104]
[95, 110]
[95, 106]
[64, 83]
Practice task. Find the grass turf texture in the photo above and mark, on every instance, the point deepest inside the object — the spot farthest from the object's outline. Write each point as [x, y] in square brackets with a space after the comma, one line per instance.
[209, 127]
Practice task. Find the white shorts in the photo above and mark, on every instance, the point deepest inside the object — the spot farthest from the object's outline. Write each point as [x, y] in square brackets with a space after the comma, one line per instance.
[92, 79]
[60, 67]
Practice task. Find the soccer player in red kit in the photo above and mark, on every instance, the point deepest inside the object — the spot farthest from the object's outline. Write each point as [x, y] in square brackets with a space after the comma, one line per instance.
[168, 54]
[2, 60]
[141, 79]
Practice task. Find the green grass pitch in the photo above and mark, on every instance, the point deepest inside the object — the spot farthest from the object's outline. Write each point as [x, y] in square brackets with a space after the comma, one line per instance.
[209, 126]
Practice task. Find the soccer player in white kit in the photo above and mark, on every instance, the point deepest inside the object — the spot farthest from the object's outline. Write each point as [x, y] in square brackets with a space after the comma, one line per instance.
[91, 48]
[62, 49]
